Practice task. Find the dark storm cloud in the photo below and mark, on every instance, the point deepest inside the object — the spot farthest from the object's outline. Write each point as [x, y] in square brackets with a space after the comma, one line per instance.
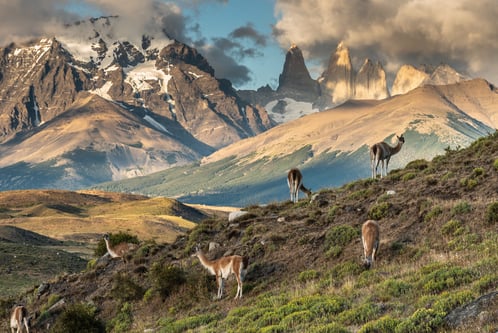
[461, 33]
[250, 33]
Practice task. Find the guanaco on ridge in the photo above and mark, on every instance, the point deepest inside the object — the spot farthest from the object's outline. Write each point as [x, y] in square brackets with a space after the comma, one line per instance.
[295, 183]
[223, 267]
[119, 250]
[19, 319]
[370, 239]
[382, 152]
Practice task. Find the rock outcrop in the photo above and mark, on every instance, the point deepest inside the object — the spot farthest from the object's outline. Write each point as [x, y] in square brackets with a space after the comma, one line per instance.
[295, 81]
[337, 81]
[370, 81]
[408, 77]
[153, 82]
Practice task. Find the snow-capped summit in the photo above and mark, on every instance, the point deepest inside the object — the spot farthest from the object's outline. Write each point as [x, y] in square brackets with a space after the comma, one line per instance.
[129, 105]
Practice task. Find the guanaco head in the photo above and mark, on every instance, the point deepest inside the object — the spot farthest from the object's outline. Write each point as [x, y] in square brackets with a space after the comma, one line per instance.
[197, 250]
[401, 138]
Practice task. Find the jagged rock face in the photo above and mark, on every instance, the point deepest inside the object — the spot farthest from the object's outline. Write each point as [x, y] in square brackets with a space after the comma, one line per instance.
[37, 83]
[337, 82]
[409, 77]
[370, 82]
[295, 80]
[167, 86]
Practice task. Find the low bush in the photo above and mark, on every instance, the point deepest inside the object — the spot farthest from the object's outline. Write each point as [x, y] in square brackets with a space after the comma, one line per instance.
[379, 211]
[164, 279]
[78, 318]
[125, 289]
[492, 213]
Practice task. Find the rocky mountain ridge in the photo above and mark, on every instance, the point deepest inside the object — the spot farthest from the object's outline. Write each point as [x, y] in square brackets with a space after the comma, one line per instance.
[168, 103]
[340, 82]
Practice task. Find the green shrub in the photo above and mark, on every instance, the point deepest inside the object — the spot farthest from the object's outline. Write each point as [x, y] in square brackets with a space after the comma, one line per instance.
[187, 323]
[164, 279]
[420, 164]
[448, 301]
[495, 164]
[123, 320]
[469, 183]
[125, 289]
[461, 208]
[422, 321]
[492, 213]
[78, 318]
[379, 211]
[394, 288]
[295, 318]
[409, 175]
[332, 213]
[308, 275]
[433, 213]
[385, 324]
[360, 314]
[114, 239]
[452, 228]
[438, 278]
[344, 269]
[329, 328]
[477, 172]
[340, 235]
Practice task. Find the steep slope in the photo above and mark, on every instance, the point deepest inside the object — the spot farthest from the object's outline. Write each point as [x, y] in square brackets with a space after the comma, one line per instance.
[150, 79]
[437, 258]
[93, 141]
[295, 81]
[331, 146]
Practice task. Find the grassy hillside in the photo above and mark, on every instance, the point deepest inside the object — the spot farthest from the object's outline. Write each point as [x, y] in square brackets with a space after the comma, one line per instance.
[46, 233]
[250, 180]
[435, 271]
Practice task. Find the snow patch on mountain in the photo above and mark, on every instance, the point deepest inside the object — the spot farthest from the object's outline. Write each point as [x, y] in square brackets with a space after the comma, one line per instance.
[287, 109]
[139, 76]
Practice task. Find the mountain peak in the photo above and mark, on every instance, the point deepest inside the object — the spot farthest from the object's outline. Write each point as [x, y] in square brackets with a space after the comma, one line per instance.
[409, 77]
[295, 79]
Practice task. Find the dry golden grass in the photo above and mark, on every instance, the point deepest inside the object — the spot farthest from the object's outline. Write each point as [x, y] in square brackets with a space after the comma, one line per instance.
[86, 215]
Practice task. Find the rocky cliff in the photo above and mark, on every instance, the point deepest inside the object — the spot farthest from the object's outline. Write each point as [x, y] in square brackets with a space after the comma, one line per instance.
[370, 81]
[153, 83]
[295, 80]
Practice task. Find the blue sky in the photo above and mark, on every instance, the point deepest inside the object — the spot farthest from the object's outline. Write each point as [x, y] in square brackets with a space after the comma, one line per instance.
[245, 41]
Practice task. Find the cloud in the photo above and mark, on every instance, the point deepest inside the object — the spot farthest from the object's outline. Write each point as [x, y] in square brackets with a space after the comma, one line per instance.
[224, 64]
[461, 33]
[249, 32]
[21, 20]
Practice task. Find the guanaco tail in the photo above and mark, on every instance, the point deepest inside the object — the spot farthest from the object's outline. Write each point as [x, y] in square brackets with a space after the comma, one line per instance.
[295, 182]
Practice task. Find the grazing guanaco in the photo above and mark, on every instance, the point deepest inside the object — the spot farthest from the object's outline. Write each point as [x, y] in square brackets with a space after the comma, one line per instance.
[370, 240]
[18, 319]
[119, 250]
[223, 267]
[295, 182]
[381, 152]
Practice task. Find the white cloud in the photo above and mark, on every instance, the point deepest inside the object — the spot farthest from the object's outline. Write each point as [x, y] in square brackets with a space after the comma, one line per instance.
[459, 32]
